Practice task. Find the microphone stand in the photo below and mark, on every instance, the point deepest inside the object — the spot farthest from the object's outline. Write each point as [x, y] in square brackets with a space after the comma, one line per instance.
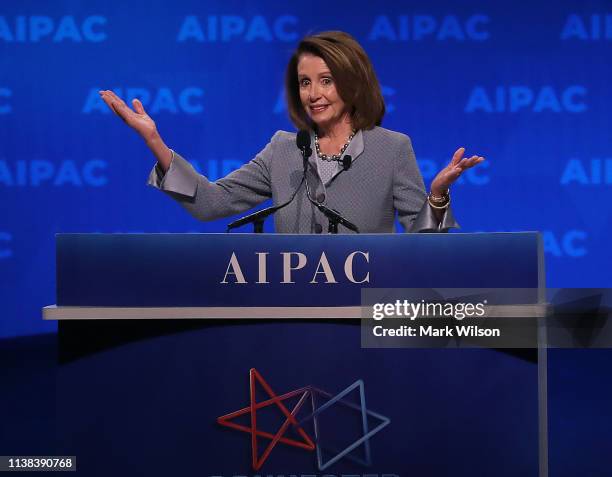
[258, 218]
[333, 216]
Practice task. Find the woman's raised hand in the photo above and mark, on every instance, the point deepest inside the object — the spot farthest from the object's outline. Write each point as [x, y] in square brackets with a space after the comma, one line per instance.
[141, 122]
[136, 118]
[451, 173]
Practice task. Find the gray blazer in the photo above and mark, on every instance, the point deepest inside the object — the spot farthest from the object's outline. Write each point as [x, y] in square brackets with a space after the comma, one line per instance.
[383, 180]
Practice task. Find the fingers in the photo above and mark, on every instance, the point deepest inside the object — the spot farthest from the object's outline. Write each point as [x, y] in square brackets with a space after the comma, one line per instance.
[120, 108]
[116, 104]
[457, 156]
[466, 162]
[458, 164]
[113, 96]
[108, 99]
[111, 104]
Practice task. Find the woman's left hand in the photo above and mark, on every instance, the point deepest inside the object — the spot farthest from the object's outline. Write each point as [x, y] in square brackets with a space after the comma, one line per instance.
[451, 173]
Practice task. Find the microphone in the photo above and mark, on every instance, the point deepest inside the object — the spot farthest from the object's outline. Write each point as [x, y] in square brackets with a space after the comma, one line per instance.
[302, 141]
[347, 161]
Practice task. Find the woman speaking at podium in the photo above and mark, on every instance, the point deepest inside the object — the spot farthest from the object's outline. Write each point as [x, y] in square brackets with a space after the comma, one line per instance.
[365, 172]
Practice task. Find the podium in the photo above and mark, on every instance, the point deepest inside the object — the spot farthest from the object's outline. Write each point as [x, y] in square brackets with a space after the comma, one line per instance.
[166, 338]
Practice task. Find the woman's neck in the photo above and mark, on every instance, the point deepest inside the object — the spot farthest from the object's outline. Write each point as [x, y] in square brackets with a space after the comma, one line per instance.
[338, 131]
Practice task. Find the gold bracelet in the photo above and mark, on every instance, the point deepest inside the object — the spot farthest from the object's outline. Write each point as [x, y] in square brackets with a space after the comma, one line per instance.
[439, 202]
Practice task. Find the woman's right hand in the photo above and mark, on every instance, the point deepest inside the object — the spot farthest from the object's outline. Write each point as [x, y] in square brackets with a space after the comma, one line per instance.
[142, 123]
[137, 119]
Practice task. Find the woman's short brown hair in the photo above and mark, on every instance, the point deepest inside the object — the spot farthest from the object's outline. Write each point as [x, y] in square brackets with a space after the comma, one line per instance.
[353, 73]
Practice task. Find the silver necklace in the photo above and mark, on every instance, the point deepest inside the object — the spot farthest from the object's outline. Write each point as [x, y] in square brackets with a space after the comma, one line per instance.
[333, 157]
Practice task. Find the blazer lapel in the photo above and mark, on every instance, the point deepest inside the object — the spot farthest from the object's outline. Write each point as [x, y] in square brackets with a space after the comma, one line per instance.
[355, 148]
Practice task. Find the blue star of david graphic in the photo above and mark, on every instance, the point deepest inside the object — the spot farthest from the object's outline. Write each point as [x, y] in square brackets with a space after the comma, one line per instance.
[365, 413]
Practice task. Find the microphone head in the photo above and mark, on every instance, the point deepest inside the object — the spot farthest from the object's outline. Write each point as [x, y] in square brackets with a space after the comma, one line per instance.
[346, 162]
[302, 140]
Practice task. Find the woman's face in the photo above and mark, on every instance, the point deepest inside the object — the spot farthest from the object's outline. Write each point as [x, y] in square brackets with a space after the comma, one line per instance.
[318, 93]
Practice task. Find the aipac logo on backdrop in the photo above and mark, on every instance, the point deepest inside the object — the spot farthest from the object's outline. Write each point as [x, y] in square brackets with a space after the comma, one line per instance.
[155, 100]
[302, 440]
[37, 28]
[514, 99]
[593, 172]
[429, 27]
[40, 172]
[568, 243]
[227, 28]
[587, 28]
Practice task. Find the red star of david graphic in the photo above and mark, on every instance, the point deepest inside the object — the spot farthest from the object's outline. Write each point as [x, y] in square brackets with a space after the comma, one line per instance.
[306, 444]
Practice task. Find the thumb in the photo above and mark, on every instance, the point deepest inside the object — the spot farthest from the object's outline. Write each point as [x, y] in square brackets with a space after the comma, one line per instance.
[457, 156]
[138, 107]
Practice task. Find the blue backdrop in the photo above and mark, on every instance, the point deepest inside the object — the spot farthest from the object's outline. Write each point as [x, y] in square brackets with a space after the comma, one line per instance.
[526, 84]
